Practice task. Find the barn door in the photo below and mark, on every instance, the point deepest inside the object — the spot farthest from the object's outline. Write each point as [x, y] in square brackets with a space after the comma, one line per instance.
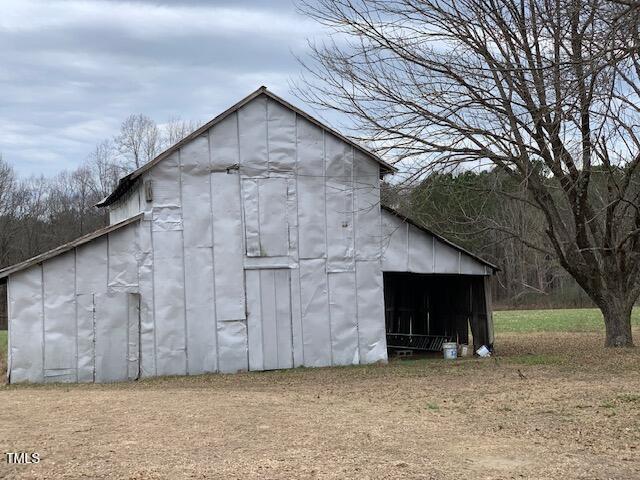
[108, 337]
[117, 333]
[269, 318]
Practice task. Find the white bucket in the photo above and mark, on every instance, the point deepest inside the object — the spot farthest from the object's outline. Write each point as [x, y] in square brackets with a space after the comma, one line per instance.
[483, 351]
[463, 350]
[450, 350]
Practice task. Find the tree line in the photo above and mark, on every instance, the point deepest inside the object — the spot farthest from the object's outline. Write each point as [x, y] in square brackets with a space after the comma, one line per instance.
[39, 213]
[470, 208]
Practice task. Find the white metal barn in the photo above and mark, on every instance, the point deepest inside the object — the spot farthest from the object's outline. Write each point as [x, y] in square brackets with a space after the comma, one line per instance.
[256, 243]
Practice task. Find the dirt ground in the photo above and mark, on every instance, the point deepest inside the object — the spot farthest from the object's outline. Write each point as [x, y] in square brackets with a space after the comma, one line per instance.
[574, 415]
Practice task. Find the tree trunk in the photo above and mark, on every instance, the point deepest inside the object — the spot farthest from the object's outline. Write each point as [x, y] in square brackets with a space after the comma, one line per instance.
[617, 321]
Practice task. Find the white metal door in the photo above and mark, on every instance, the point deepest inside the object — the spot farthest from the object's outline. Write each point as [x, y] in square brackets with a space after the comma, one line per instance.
[117, 331]
[269, 319]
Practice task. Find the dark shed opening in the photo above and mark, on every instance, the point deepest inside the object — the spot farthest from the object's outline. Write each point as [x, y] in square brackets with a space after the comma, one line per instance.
[422, 311]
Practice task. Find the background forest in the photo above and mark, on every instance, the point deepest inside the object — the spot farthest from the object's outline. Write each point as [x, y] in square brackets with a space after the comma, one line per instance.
[507, 230]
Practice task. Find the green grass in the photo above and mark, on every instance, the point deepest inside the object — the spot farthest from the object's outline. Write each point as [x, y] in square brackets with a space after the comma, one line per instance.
[3, 340]
[629, 398]
[562, 320]
[537, 359]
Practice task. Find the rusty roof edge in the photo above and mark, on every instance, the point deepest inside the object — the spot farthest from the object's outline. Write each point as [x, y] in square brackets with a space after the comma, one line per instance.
[67, 246]
[393, 211]
[125, 182]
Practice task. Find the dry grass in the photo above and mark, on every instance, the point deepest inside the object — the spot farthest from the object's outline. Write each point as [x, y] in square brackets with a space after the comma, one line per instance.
[576, 414]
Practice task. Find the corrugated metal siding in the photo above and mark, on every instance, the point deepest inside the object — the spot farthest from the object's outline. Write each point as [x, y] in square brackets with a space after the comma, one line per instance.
[406, 248]
[52, 310]
[127, 206]
[263, 189]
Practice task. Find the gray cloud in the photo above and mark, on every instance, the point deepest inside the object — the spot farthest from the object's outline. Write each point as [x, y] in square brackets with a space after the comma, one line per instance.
[73, 69]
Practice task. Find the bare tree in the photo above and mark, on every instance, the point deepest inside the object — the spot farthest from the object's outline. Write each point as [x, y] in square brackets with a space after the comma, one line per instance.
[31, 210]
[7, 187]
[84, 197]
[105, 168]
[176, 129]
[139, 140]
[8, 221]
[546, 91]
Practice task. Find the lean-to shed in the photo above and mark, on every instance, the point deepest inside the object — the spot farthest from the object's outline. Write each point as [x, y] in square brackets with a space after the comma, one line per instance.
[258, 242]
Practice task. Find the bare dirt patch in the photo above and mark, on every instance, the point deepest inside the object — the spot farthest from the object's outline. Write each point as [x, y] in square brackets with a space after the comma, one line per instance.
[575, 414]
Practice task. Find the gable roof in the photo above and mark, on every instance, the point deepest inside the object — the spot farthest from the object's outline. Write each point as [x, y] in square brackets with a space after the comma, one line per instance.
[127, 181]
[404, 218]
[67, 246]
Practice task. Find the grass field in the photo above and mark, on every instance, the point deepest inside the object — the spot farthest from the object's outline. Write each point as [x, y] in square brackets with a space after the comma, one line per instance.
[553, 403]
[566, 320]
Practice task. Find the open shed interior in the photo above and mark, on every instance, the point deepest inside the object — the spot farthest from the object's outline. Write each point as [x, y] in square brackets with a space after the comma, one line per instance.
[422, 311]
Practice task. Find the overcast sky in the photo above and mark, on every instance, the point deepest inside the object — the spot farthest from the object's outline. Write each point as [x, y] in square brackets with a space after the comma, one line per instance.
[72, 70]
